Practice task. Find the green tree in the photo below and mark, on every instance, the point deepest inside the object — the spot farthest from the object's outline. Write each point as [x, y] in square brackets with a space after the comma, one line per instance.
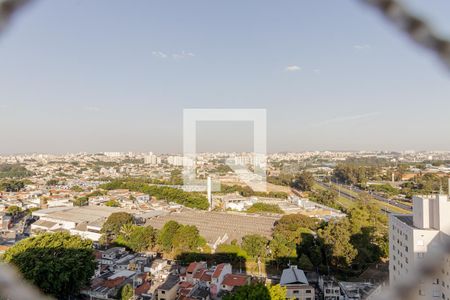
[250, 292]
[112, 203]
[111, 228]
[336, 238]
[81, 201]
[232, 249]
[304, 181]
[277, 292]
[166, 235]
[265, 208]
[305, 263]
[57, 263]
[254, 245]
[137, 238]
[325, 197]
[281, 247]
[187, 238]
[52, 182]
[12, 185]
[126, 292]
[14, 210]
[76, 188]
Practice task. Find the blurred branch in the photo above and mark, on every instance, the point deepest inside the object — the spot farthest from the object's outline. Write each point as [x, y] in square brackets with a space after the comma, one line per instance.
[7, 10]
[12, 286]
[417, 29]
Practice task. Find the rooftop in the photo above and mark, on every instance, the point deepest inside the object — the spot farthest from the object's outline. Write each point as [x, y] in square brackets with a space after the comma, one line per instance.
[78, 214]
[293, 275]
[235, 280]
[170, 282]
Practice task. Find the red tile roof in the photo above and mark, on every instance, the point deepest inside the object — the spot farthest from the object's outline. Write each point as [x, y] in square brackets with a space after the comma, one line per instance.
[143, 276]
[192, 267]
[143, 288]
[206, 277]
[185, 284]
[234, 280]
[218, 270]
[199, 273]
[114, 282]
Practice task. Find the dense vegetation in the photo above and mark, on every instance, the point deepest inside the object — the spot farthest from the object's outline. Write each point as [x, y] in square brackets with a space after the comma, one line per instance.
[325, 197]
[359, 175]
[265, 208]
[345, 246]
[172, 239]
[282, 179]
[12, 185]
[246, 191]
[14, 171]
[193, 200]
[303, 181]
[258, 292]
[57, 263]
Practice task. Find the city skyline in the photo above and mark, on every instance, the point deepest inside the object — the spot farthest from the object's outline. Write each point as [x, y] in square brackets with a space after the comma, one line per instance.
[353, 82]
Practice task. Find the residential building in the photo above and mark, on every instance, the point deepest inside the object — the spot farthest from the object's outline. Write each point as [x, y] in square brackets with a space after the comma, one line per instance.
[296, 283]
[329, 288]
[413, 238]
[168, 290]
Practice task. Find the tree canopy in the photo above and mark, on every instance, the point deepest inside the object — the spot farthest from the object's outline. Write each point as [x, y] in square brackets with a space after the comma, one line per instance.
[111, 228]
[265, 208]
[188, 199]
[57, 263]
[304, 181]
[137, 238]
[255, 245]
[126, 292]
[250, 292]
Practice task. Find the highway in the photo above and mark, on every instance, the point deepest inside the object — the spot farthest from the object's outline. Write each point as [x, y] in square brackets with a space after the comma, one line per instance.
[349, 196]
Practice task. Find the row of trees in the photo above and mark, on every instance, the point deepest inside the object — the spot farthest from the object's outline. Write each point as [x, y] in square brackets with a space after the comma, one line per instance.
[260, 207]
[192, 200]
[246, 191]
[172, 239]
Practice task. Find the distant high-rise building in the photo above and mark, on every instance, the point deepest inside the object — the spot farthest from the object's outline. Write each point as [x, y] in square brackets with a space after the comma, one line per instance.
[180, 161]
[113, 154]
[151, 159]
[414, 237]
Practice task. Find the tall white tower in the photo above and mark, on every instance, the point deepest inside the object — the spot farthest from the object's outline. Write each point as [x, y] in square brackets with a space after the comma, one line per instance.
[208, 189]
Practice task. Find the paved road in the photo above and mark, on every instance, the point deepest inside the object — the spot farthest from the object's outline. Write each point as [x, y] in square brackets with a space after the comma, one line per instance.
[349, 196]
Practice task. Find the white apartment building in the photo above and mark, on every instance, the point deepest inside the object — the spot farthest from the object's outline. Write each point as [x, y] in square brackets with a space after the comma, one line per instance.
[152, 159]
[414, 237]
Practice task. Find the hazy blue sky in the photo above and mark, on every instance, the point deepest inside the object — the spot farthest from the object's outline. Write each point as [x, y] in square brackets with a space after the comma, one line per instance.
[110, 75]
